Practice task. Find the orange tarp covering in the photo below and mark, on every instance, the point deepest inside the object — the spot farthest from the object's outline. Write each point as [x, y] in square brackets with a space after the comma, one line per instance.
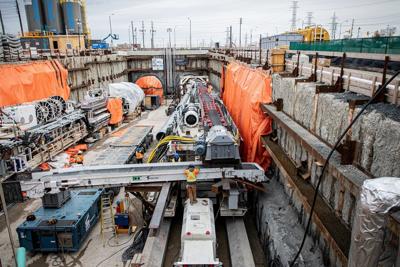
[32, 81]
[114, 106]
[151, 85]
[244, 90]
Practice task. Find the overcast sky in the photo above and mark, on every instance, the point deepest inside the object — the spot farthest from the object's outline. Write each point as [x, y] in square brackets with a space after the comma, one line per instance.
[210, 18]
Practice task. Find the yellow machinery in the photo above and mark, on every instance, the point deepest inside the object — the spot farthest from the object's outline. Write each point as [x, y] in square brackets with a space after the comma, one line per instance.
[314, 33]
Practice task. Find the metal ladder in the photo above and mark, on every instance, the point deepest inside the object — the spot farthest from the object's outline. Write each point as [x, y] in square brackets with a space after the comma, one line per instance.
[107, 218]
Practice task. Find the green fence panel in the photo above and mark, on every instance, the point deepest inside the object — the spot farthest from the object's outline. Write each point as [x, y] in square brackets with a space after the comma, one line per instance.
[379, 45]
[393, 45]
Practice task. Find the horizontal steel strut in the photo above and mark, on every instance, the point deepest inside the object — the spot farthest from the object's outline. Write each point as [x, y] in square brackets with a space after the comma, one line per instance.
[122, 175]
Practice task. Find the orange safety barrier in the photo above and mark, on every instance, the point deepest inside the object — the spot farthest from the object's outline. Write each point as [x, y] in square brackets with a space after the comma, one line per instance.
[151, 85]
[20, 83]
[114, 106]
[244, 89]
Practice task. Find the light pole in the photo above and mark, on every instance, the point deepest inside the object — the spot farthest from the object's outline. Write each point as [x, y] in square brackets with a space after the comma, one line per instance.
[340, 28]
[175, 36]
[111, 32]
[190, 33]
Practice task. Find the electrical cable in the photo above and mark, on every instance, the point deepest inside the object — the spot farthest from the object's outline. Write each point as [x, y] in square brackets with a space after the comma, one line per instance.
[337, 143]
[163, 143]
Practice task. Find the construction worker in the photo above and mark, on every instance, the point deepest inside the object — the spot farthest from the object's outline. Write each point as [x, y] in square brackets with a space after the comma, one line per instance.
[191, 176]
[209, 88]
[78, 158]
[176, 157]
[139, 154]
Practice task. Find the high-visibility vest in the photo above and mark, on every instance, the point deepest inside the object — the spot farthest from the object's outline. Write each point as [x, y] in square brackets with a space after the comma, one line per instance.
[139, 155]
[191, 177]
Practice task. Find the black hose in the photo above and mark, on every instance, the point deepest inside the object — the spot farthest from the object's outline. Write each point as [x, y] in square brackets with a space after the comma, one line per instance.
[378, 92]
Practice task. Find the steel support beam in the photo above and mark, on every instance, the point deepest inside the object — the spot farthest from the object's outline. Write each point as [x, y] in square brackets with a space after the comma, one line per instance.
[154, 250]
[158, 213]
[352, 177]
[239, 246]
[128, 174]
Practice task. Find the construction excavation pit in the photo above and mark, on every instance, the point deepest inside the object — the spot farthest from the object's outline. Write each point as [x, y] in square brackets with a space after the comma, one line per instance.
[283, 151]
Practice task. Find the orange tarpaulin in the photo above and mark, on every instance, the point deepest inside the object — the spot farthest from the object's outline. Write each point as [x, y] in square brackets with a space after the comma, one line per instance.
[244, 90]
[20, 83]
[114, 106]
[151, 85]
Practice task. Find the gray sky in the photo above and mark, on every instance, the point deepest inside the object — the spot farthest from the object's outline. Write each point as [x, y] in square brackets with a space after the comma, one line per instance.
[210, 18]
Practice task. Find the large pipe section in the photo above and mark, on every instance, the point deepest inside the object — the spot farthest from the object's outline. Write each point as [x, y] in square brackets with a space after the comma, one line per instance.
[191, 115]
[170, 126]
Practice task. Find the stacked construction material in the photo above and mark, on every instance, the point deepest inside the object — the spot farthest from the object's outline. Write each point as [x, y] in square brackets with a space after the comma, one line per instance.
[11, 48]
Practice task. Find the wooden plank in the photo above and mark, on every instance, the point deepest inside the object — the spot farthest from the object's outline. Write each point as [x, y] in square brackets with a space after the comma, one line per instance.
[239, 245]
[395, 93]
[158, 213]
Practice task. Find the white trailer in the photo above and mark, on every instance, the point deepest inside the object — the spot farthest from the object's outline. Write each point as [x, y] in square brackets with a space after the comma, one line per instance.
[198, 239]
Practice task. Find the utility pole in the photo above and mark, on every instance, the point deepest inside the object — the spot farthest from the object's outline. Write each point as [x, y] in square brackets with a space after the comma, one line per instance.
[351, 29]
[227, 37]
[19, 16]
[309, 18]
[190, 32]
[245, 40]
[2, 23]
[142, 31]
[169, 30]
[152, 34]
[111, 31]
[251, 37]
[294, 8]
[260, 49]
[133, 35]
[333, 26]
[358, 32]
[230, 36]
[240, 32]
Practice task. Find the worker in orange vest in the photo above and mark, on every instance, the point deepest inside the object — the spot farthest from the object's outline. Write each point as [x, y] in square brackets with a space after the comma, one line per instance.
[78, 158]
[191, 177]
[139, 154]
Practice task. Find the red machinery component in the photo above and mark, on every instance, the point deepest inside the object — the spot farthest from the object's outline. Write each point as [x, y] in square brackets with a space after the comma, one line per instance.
[211, 111]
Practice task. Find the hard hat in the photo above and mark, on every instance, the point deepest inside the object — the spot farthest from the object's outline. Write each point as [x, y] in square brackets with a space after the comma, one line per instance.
[191, 166]
[80, 152]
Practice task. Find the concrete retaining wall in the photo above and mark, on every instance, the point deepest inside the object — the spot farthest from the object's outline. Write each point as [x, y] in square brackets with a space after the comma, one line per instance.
[327, 116]
[377, 132]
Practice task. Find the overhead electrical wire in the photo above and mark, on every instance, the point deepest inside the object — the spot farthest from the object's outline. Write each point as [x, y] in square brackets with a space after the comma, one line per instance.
[337, 143]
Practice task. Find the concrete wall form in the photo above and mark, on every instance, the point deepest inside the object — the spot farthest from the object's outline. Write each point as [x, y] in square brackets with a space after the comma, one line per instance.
[89, 72]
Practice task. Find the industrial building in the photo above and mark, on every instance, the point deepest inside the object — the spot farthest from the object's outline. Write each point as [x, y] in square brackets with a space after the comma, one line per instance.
[56, 25]
[281, 154]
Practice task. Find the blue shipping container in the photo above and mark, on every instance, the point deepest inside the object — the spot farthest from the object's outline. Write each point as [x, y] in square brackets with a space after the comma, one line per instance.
[62, 229]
